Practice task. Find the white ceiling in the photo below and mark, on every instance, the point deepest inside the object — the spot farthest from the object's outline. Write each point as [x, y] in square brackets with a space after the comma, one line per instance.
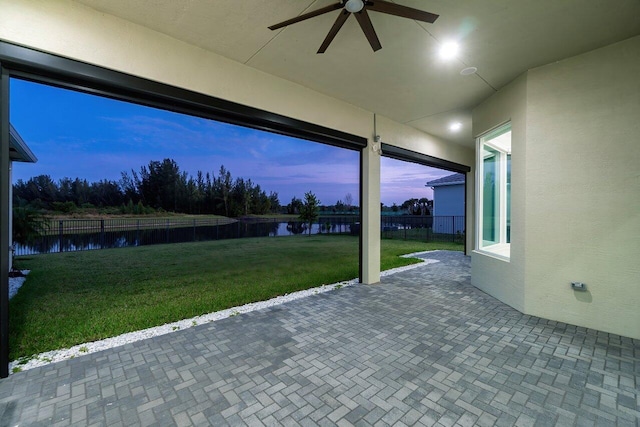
[405, 80]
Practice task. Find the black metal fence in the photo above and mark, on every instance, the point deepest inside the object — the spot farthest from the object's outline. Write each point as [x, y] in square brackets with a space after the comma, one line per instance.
[424, 228]
[69, 235]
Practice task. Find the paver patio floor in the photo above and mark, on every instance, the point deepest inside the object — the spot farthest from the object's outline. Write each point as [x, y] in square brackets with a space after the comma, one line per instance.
[422, 348]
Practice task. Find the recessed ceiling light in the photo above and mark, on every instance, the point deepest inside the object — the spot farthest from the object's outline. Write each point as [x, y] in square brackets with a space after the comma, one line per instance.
[449, 50]
[468, 71]
[455, 126]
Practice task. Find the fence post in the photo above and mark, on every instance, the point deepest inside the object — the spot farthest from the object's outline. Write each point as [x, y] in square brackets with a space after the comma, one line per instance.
[217, 229]
[60, 226]
[194, 229]
[138, 232]
[167, 231]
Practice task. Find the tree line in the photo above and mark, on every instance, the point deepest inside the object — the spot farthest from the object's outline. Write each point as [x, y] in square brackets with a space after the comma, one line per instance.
[158, 186]
[413, 206]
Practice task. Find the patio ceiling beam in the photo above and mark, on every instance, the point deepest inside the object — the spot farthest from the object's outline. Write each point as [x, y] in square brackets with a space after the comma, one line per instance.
[422, 159]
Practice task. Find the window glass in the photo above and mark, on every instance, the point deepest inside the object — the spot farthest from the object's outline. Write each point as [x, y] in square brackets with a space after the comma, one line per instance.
[491, 200]
[494, 191]
[508, 198]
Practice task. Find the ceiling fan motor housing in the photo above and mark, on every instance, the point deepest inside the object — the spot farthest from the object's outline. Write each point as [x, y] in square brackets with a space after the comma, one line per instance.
[354, 6]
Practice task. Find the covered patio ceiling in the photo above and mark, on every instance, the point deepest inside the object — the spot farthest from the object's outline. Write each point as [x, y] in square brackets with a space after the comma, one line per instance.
[406, 80]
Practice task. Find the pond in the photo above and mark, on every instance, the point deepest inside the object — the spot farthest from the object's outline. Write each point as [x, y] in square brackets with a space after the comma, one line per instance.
[77, 238]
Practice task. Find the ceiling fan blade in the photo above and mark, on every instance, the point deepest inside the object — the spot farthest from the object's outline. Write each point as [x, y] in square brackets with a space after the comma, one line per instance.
[333, 31]
[367, 28]
[399, 10]
[305, 16]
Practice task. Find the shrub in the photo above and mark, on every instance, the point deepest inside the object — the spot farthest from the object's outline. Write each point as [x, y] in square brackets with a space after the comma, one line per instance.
[64, 207]
[28, 223]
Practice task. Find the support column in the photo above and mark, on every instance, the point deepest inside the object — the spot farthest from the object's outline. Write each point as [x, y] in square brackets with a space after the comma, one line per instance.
[370, 208]
[10, 214]
[5, 185]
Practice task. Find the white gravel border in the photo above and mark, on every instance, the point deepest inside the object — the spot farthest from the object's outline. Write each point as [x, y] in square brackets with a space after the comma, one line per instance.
[16, 282]
[417, 255]
[130, 337]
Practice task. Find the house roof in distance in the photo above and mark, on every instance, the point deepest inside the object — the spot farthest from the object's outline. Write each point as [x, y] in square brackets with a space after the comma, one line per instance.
[455, 179]
[19, 151]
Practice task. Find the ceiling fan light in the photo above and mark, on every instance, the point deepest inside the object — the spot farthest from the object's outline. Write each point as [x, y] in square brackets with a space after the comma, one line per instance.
[354, 6]
[449, 50]
[455, 126]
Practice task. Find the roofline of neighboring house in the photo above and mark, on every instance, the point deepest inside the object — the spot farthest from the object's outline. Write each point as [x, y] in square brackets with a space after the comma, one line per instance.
[19, 151]
[444, 184]
[455, 179]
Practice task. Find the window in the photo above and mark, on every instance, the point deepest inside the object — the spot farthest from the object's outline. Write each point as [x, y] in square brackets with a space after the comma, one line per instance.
[494, 192]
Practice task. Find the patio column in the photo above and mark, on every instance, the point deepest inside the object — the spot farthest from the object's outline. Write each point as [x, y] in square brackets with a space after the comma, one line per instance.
[10, 181]
[4, 223]
[370, 205]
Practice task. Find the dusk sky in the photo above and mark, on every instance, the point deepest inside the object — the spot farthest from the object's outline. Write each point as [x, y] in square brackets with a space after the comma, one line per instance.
[78, 135]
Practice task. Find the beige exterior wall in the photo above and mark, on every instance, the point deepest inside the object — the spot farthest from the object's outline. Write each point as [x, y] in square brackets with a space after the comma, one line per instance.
[508, 105]
[68, 29]
[576, 197]
[583, 198]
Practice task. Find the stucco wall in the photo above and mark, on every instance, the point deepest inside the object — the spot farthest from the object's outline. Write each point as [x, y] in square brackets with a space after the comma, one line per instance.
[583, 189]
[505, 279]
[575, 189]
[72, 30]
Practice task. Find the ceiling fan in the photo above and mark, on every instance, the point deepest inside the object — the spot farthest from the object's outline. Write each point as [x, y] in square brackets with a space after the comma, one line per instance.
[359, 9]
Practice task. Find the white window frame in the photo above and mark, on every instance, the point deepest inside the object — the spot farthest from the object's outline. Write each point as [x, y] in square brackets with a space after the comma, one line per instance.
[501, 249]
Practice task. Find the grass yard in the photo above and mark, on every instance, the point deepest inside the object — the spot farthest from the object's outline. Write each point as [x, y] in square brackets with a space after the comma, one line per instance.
[77, 297]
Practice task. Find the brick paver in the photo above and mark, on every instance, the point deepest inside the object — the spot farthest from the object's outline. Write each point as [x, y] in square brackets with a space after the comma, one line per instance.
[422, 348]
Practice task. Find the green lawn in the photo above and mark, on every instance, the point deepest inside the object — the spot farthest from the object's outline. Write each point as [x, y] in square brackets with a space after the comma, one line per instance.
[77, 297]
